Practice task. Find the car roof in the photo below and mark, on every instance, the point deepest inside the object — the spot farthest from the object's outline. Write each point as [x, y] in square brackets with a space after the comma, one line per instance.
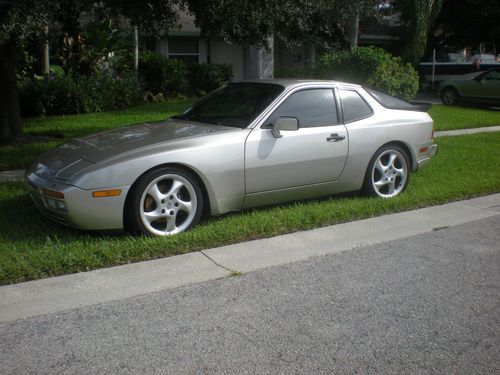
[289, 83]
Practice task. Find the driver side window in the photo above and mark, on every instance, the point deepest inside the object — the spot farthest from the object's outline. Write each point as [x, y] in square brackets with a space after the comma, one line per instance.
[313, 107]
[492, 76]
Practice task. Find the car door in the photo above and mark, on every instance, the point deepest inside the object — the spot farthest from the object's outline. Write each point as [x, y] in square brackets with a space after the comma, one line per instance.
[491, 85]
[313, 154]
[484, 87]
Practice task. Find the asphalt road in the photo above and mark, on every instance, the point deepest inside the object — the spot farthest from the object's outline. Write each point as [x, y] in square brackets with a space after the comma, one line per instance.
[421, 305]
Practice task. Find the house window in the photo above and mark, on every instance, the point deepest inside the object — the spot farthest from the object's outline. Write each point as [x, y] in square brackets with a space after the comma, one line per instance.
[185, 49]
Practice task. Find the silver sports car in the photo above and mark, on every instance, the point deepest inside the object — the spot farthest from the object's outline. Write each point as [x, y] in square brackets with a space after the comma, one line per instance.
[246, 144]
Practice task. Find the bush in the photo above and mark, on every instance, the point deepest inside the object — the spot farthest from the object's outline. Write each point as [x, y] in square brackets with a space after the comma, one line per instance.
[102, 92]
[83, 94]
[204, 78]
[161, 75]
[370, 66]
[395, 79]
[48, 96]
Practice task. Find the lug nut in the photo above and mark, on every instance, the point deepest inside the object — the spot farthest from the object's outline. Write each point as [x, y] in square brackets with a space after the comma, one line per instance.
[176, 204]
[171, 212]
[162, 211]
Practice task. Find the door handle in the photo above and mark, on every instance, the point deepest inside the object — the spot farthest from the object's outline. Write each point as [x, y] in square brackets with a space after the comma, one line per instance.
[335, 138]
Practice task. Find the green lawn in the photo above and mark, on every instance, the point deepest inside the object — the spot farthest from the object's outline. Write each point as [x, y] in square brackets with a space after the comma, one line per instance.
[67, 127]
[31, 247]
[71, 126]
[450, 118]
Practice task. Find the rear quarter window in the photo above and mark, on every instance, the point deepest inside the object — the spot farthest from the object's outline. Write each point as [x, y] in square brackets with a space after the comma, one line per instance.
[354, 106]
[389, 101]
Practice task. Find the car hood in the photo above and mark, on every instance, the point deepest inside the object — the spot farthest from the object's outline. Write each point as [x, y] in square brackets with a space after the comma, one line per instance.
[69, 158]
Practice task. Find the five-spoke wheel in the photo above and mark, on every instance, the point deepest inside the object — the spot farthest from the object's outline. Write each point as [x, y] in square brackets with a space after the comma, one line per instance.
[165, 201]
[388, 172]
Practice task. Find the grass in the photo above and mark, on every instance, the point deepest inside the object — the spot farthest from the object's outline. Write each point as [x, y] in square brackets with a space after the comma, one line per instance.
[22, 155]
[31, 247]
[451, 118]
[70, 126]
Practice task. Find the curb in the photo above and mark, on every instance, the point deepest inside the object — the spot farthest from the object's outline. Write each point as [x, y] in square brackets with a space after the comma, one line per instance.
[73, 291]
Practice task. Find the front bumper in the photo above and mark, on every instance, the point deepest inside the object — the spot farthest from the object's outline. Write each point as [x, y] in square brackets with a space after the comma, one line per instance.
[426, 157]
[81, 209]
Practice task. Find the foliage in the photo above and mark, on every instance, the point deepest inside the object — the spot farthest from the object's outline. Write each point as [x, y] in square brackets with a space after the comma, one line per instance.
[100, 39]
[466, 23]
[322, 23]
[158, 74]
[103, 92]
[253, 22]
[48, 96]
[370, 66]
[24, 20]
[65, 94]
[66, 127]
[204, 78]
[395, 78]
[418, 17]
[49, 249]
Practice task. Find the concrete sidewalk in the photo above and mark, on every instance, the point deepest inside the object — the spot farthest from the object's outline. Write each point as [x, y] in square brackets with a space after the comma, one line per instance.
[89, 288]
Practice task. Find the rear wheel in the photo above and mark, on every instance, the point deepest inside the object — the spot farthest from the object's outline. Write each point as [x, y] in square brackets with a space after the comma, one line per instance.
[450, 96]
[165, 201]
[388, 172]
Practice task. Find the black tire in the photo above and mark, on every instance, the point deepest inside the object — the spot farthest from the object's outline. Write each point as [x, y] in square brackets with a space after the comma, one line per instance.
[450, 96]
[379, 178]
[164, 201]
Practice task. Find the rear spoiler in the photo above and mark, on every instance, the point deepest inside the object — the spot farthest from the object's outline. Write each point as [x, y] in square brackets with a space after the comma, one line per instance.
[421, 107]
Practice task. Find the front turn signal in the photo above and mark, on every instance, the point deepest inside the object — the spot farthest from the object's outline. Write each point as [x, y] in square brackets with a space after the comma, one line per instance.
[106, 193]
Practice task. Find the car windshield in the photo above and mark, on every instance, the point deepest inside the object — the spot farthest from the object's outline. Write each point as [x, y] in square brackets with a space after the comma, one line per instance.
[235, 105]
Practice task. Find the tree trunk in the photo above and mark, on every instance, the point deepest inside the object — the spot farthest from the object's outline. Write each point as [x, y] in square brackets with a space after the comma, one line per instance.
[354, 29]
[10, 114]
[46, 54]
[136, 49]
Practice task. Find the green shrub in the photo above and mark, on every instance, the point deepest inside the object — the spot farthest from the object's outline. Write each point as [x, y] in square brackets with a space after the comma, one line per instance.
[161, 75]
[370, 66]
[395, 78]
[49, 96]
[152, 72]
[121, 62]
[83, 94]
[102, 92]
[204, 78]
[57, 71]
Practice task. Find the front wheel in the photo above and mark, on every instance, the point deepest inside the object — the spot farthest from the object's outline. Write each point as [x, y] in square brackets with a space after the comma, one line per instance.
[165, 201]
[388, 172]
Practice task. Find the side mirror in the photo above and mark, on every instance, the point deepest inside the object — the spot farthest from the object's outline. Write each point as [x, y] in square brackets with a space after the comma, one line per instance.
[284, 123]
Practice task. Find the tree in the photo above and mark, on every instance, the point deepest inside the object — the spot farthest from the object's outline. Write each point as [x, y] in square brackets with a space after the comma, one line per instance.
[25, 20]
[253, 22]
[418, 17]
[466, 23]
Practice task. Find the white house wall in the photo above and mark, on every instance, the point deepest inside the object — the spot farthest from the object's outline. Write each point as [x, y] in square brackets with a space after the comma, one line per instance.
[223, 53]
